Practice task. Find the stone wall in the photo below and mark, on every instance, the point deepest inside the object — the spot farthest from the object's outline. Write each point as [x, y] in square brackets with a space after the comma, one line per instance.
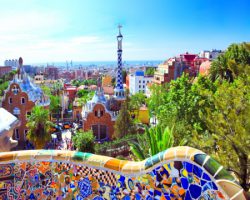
[178, 173]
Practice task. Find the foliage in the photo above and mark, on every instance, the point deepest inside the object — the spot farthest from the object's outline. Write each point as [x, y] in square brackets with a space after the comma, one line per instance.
[88, 82]
[39, 126]
[113, 81]
[157, 98]
[152, 142]
[117, 142]
[84, 96]
[136, 101]
[70, 107]
[55, 100]
[4, 81]
[46, 90]
[124, 124]
[228, 139]
[212, 113]
[150, 71]
[232, 63]
[124, 75]
[84, 141]
[54, 104]
[3, 86]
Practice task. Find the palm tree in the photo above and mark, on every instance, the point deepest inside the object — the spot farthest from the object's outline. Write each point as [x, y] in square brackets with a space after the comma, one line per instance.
[152, 142]
[39, 126]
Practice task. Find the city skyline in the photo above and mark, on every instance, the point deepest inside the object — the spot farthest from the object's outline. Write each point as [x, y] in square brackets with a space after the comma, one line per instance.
[55, 31]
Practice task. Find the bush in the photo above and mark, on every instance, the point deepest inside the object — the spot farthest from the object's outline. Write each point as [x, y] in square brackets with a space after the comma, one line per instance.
[84, 141]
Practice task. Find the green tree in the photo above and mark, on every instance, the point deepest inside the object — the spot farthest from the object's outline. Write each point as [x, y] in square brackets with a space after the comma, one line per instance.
[154, 140]
[124, 75]
[228, 123]
[84, 141]
[232, 63]
[150, 71]
[136, 101]
[39, 127]
[54, 104]
[157, 98]
[124, 124]
[46, 90]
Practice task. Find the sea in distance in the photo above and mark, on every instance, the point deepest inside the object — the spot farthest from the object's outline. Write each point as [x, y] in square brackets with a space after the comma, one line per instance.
[99, 64]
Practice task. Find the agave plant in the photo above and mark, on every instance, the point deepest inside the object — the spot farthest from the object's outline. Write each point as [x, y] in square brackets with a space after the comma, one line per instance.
[154, 140]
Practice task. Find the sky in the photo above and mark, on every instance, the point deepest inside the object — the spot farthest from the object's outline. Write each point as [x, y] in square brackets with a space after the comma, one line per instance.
[44, 31]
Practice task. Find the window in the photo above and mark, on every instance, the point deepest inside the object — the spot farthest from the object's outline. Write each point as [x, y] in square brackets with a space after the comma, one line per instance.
[96, 113]
[10, 100]
[139, 81]
[143, 81]
[16, 111]
[101, 112]
[147, 81]
[143, 86]
[16, 133]
[22, 100]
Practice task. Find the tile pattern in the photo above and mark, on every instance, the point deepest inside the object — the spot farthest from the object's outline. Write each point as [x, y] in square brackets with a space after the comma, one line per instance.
[189, 175]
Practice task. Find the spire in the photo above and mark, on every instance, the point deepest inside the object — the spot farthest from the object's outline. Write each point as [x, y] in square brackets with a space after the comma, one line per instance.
[20, 68]
[119, 90]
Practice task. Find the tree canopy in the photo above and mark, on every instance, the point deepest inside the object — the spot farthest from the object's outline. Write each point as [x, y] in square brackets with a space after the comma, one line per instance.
[84, 141]
[212, 112]
[39, 127]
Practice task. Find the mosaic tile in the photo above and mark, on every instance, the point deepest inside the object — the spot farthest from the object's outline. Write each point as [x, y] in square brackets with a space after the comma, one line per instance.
[106, 179]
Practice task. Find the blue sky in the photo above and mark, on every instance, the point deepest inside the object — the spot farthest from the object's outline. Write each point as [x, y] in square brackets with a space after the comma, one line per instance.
[85, 30]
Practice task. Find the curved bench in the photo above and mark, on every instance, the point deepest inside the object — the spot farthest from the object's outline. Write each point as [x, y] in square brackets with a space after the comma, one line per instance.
[177, 173]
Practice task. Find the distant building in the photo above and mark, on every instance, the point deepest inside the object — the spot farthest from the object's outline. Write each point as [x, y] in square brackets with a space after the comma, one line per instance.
[138, 82]
[164, 73]
[51, 72]
[11, 62]
[174, 67]
[8, 123]
[67, 75]
[79, 74]
[19, 99]
[71, 92]
[211, 55]
[5, 70]
[106, 81]
[39, 77]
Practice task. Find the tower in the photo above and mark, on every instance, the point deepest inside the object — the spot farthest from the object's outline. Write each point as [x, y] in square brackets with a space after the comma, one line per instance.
[119, 93]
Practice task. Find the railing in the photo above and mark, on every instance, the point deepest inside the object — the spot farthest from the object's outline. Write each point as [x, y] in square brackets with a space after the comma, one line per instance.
[178, 173]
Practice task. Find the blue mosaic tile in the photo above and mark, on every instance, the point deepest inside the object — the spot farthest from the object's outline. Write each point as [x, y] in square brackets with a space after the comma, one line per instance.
[184, 182]
[195, 191]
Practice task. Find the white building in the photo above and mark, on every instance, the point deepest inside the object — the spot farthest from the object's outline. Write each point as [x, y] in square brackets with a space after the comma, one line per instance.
[13, 63]
[211, 55]
[138, 82]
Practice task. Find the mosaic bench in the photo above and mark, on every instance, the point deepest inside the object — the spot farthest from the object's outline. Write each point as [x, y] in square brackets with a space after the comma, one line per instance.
[177, 173]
